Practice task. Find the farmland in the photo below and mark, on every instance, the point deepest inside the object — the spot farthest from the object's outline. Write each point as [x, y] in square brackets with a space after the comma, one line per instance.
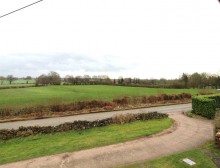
[19, 82]
[16, 98]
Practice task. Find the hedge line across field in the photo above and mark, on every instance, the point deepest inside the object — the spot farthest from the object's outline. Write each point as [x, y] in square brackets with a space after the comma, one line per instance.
[6, 134]
[40, 110]
[206, 105]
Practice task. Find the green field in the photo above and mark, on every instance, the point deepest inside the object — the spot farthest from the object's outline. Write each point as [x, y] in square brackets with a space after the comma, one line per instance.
[44, 95]
[175, 161]
[41, 145]
[20, 82]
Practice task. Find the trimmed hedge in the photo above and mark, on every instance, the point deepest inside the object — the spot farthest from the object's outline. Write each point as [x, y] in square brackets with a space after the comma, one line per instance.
[6, 134]
[217, 100]
[206, 105]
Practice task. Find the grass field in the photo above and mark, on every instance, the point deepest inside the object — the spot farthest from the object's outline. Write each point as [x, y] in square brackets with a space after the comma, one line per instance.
[175, 161]
[45, 95]
[41, 145]
[19, 82]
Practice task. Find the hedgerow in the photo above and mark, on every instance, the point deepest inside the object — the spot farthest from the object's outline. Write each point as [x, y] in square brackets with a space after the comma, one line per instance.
[217, 100]
[91, 105]
[206, 105]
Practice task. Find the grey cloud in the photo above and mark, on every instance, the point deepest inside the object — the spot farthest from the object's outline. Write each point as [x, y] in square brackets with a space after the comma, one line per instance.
[35, 64]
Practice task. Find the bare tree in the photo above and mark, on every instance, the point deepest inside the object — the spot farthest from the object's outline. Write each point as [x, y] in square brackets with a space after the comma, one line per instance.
[195, 80]
[10, 78]
[185, 79]
[42, 80]
[54, 78]
[2, 79]
[86, 79]
[69, 79]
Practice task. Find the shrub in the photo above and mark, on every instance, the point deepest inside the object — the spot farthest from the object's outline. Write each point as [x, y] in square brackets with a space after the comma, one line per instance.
[165, 97]
[121, 101]
[144, 99]
[152, 99]
[136, 99]
[93, 104]
[123, 118]
[204, 106]
[6, 111]
[217, 100]
[186, 95]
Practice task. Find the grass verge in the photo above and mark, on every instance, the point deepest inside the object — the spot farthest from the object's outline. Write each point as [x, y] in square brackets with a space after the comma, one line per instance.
[202, 156]
[42, 145]
[192, 115]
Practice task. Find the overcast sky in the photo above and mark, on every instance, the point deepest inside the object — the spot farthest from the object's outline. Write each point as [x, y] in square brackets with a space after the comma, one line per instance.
[129, 38]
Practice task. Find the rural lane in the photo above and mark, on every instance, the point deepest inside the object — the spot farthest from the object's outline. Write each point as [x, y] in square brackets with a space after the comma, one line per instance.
[93, 116]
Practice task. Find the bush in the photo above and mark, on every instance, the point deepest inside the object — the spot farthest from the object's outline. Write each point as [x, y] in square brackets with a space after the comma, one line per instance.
[152, 99]
[93, 104]
[6, 111]
[144, 99]
[206, 105]
[217, 100]
[121, 101]
[186, 95]
[123, 118]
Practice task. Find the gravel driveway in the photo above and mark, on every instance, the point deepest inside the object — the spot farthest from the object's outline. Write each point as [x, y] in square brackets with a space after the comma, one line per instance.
[187, 133]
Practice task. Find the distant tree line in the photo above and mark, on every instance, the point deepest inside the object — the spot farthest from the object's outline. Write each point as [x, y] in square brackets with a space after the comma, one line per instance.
[195, 80]
[11, 78]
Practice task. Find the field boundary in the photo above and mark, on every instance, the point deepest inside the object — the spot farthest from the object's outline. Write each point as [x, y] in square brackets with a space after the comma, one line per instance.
[101, 111]
[79, 125]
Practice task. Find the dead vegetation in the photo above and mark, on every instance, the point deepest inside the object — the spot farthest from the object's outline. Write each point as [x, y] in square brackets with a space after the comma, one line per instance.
[57, 108]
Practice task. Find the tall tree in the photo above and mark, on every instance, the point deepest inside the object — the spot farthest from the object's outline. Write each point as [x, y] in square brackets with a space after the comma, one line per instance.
[195, 80]
[54, 78]
[185, 79]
